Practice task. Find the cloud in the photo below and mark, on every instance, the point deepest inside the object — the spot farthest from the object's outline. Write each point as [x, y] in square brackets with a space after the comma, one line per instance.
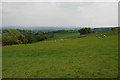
[60, 0]
[60, 14]
[0, 15]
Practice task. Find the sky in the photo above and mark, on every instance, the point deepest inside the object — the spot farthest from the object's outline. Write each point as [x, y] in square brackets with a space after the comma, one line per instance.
[80, 14]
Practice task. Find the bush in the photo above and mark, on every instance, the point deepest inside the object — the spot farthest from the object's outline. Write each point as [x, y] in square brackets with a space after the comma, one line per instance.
[15, 37]
[23, 39]
[41, 37]
[30, 37]
[8, 40]
[85, 30]
[112, 29]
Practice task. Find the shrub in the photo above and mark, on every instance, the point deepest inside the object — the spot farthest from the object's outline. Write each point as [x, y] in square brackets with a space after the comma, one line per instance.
[30, 37]
[85, 30]
[8, 40]
[15, 37]
[41, 37]
[112, 29]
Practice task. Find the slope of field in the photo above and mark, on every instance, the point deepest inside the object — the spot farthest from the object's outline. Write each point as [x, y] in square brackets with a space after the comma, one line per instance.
[65, 35]
[88, 57]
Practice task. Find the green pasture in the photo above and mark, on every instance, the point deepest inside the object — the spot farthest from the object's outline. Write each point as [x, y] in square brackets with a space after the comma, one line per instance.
[72, 57]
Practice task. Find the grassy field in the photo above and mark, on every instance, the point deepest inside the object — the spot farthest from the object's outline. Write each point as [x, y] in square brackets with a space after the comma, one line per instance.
[87, 57]
[65, 35]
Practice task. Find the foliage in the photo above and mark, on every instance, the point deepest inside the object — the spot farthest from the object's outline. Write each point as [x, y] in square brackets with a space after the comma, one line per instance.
[16, 37]
[112, 29]
[30, 37]
[7, 40]
[85, 30]
[41, 37]
[12, 38]
[23, 39]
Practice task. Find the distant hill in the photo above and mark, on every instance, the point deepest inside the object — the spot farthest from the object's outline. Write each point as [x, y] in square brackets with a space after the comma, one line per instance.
[46, 29]
[105, 29]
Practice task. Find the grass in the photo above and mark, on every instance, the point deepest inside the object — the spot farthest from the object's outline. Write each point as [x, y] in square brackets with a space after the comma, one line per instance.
[87, 57]
[65, 35]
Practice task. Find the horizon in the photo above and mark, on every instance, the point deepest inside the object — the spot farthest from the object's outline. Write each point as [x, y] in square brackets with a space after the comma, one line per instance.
[59, 26]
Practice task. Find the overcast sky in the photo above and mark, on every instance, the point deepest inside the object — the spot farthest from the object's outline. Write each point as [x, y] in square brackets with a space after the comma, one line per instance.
[95, 14]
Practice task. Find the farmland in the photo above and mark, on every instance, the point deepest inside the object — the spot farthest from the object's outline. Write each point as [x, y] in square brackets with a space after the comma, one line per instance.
[73, 57]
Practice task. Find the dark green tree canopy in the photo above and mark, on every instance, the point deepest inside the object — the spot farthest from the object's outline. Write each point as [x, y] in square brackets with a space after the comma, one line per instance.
[85, 31]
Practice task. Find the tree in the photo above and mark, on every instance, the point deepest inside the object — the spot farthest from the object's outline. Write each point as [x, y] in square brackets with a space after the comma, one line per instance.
[15, 33]
[112, 29]
[89, 30]
[85, 30]
[18, 37]
[30, 37]
[23, 39]
[41, 37]
[14, 37]
[8, 40]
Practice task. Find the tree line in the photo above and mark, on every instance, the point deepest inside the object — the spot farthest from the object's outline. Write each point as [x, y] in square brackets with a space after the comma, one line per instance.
[10, 37]
[16, 37]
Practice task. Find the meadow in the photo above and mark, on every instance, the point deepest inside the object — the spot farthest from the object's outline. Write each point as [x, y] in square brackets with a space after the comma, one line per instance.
[73, 57]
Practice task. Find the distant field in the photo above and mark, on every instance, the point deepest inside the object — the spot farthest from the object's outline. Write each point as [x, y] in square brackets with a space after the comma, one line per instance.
[65, 35]
[87, 57]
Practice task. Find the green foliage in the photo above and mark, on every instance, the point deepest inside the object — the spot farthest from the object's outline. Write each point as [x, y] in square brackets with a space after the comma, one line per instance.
[112, 29]
[85, 30]
[89, 30]
[8, 40]
[30, 37]
[16, 37]
[41, 37]
[11, 38]
[15, 33]
[23, 39]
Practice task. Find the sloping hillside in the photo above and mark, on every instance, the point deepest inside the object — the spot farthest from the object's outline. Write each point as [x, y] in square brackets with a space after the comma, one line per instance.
[87, 57]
